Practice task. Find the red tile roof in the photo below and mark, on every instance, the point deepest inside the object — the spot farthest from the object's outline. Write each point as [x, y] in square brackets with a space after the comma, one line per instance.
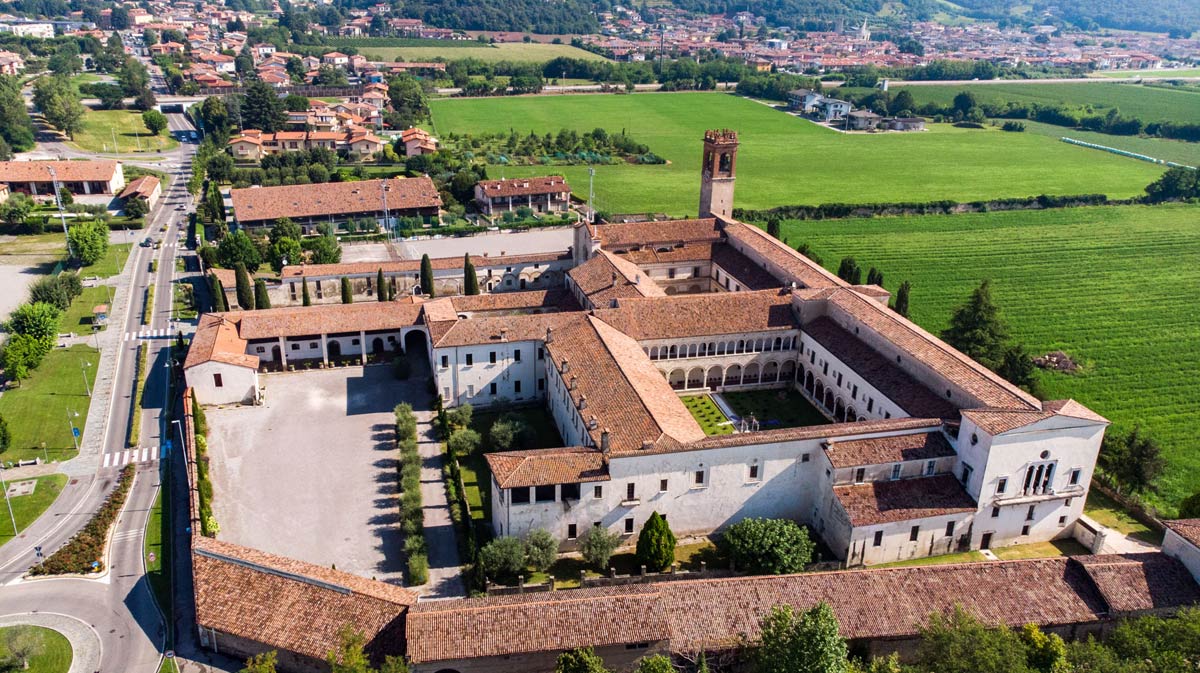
[1188, 529]
[903, 500]
[216, 340]
[606, 277]
[96, 170]
[794, 266]
[143, 187]
[542, 467]
[1135, 583]
[414, 265]
[293, 321]
[996, 421]
[550, 184]
[682, 316]
[891, 449]
[653, 234]
[258, 204]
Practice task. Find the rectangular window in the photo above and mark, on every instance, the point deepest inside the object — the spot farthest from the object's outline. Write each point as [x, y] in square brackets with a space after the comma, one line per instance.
[878, 538]
[492, 357]
[913, 533]
[630, 492]
[544, 493]
[930, 467]
[670, 273]
[541, 384]
[260, 349]
[860, 474]
[571, 531]
[1025, 530]
[520, 496]
[699, 477]
[966, 474]
[896, 471]
[516, 355]
[312, 344]
[471, 390]
[597, 492]
[569, 491]
[870, 405]
[492, 388]
[445, 361]
[354, 342]
[949, 529]
[1001, 485]
[1029, 514]
[629, 526]
[516, 386]
[662, 485]
[541, 353]
[1068, 502]
[295, 347]
[753, 473]
[217, 382]
[470, 359]
[839, 379]
[1075, 474]
[804, 458]
[1062, 521]
[854, 392]
[995, 512]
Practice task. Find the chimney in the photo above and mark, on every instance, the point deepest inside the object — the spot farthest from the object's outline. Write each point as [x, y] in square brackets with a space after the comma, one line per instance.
[566, 366]
[592, 422]
[582, 402]
[647, 445]
[604, 448]
[573, 383]
[614, 279]
[637, 280]
[549, 335]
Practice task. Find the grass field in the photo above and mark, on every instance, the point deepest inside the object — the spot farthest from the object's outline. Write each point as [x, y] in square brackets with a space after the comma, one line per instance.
[99, 127]
[784, 160]
[775, 409]
[1107, 512]
[1112, 287]
[707, 414]
[1159, 148]
[37, 410]
[78, 317]
[1150, 103]
[1179, 72]
[510, 51]
[51, 651]
[27, 508]
[110, 264]
[157, 549]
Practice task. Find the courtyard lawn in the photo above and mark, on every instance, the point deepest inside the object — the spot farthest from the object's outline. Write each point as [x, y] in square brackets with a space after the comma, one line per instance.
[1113, 287]
[509, 51]
[477, 478]
[1108, 512]
[963, 557]
[37, 410]
[708, 415]
[775, 409]
[27, 508]
[1067, 547]
[99, 127]
[78, 317]
[51, 652]
[785, 160]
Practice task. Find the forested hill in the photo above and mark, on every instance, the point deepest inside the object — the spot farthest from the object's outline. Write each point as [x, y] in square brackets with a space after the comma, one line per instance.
[1180, 17]
[796, 13]
[536, 16]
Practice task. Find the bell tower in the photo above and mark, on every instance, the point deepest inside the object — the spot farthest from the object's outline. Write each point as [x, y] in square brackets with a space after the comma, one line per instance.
[718, 172]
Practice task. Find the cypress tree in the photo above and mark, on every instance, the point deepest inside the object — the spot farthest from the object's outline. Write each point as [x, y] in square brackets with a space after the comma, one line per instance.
[470, 279]
[773, 227]
[427, 276]
[347, 291]
[380, 289]
[806, 250]
[218, 294]
[875, 277]
[307, 299]
[976, 328]
[656, 544]
[261, 299]
[901, 305]
[245, 289]
[849, 271]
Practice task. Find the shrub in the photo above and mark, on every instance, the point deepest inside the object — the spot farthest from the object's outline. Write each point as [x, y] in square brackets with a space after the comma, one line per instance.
[406, 422]
[503, 558]
[767, 546]
[418, 569]
[460, 416]
[464, 442]
[541, 550]
[656, 544]
[597, 545]
[87, 546]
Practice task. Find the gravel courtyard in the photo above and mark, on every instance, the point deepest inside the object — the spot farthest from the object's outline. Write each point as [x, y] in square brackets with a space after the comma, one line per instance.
[312, 473]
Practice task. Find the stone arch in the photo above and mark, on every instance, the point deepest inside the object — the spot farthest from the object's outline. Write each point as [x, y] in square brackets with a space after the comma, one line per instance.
[415, 343]
[673, 352]
[377, 346]
[276, 354]
[839, 410]
[787, 371]
[678, 379]
[733, 375]
[828, 401]
[778, 344]
[770, 372]
[671, 290]
[695, 289]
[695, 377]
[714, 377]
[752, 373]
[692, 350]
[741, 346]
[808, 382]
[335, 349]
[851, 415]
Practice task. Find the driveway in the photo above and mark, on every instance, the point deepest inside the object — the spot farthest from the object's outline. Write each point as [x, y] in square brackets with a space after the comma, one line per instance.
[312, 474]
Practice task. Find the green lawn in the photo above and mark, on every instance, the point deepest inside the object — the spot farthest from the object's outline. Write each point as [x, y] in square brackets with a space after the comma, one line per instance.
[37, 410]
[517, 51]
[775, 409]
[1174, 72]
[33, 248]
[1113, 287]
[785, 160]
[27, 508]
[1067, 547]
[964, 557]
[708, 415]
[158, 543]
[101, 126]
[1108, 512]
[475, 474]
[111, 263]
[51, 651]
[1159, 148]
[78, 317]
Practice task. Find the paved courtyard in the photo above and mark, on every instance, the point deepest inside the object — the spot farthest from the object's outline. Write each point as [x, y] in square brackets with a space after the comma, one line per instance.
[495, 243]
[312, 474]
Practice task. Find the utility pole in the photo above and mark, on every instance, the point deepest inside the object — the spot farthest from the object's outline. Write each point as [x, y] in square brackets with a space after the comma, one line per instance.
[61, 215]
[9, 503]
[387, 221]
[591, 195]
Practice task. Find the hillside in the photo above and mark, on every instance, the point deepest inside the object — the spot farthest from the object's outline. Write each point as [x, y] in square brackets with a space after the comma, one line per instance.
[1182, 16]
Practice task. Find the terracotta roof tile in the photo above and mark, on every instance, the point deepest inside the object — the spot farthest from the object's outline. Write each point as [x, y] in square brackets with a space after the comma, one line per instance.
[325, 319]
[796, 267]
[996, 421]
[143, 186]
[671, 232]
[852, 430]
[556, 299]
[550, 184]
[1140, 582]
[414, 265]
[1188, 529]
[96, 170]
[606, 277]
[891, 449]
[216, 340]
[484, 330]
[903, 500]
[542, 467]
[257, 204]
[721, 313]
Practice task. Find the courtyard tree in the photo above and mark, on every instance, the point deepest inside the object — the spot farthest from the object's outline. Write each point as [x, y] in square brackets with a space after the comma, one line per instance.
[767, 546]
[959, 643]
[347, 291]
[976, 328]
[506, 432]
[470, 279]
[155, 121]
[238, 248]
[323, 249]
[261, 298]
[597, 544]
[656, 544]
[245, 288]
[850, 271]
[460, 416]
[305, 297]
[38, 321]
[541, 550]
[808, 642]
[283, 228]
[427, 276]
[88, 242]
[464, 442]
[283, 252]
[217, 290]
[503, 558]
[901, 305]
[581, 660]
[655, 664]
[380, 287]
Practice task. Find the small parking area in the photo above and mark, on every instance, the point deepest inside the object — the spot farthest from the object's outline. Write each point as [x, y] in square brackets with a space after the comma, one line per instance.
[312, 473]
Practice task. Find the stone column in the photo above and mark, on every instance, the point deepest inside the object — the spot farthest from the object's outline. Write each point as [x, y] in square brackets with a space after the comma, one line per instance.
[362, 351]
[325, 349]
[283, 353]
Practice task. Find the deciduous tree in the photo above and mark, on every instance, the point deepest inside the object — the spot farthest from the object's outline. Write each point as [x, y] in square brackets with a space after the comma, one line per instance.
[959, 643]
[5, 435]
[155, 121]
[801, 643]
[597, 544]
[38, 321]
[503, 558]
[88, 242]
[655, 664]
[261, 663]
[767, 546]
[238, 248]
[541, 550]
[583, 660]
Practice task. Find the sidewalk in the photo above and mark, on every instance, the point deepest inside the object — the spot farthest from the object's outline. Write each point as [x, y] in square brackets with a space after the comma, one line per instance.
[445, 573]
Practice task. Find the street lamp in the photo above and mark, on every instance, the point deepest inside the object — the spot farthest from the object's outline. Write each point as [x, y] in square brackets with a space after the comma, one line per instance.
[8, 502]
[179, 427]
[74, 439]
[83, 365]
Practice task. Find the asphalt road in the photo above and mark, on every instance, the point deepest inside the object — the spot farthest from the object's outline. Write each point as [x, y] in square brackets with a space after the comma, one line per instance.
[119, 605]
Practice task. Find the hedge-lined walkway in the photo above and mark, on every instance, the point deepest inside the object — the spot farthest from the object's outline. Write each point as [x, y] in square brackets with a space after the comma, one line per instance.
[445, 573]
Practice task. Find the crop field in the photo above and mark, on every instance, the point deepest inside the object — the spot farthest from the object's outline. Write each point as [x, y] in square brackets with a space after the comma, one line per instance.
[1175, 72]
[1112, 287]
[785, 160]
[1149, 103]
[509, 51]
[1178, 151]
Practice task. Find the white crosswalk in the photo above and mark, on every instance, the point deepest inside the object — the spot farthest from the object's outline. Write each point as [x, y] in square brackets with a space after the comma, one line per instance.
[148, 334]
[123, 458]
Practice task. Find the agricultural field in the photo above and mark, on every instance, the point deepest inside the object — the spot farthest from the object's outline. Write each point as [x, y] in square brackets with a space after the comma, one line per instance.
[1178, 151]
[100, 127]
[509, 51]
[1113, 287]
[1174, 72]
[785, 160]
[1150, 103]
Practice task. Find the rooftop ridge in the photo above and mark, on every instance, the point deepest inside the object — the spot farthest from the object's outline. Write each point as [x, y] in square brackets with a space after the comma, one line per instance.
[272, 571]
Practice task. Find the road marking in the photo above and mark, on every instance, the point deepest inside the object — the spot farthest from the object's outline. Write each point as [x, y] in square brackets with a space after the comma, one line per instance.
[107, 459]
[146, 454]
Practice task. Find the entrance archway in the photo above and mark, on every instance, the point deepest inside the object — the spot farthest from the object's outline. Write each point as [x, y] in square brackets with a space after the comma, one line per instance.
[276, 354]
[377, 347]
[414, 344]
[335, 350]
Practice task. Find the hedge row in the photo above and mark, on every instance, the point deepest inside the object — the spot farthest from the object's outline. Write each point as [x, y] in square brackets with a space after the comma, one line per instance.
[208, 524]
[87, 546]
[464, 527]
[135, 422]
[148, 307]
[412, 514]
[830, 211]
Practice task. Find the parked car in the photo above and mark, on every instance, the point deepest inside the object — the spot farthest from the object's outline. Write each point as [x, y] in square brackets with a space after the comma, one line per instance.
[146, 243]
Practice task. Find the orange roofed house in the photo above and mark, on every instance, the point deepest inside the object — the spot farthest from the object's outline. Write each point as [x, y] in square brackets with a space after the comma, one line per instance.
[336, 202]
[549, 194]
